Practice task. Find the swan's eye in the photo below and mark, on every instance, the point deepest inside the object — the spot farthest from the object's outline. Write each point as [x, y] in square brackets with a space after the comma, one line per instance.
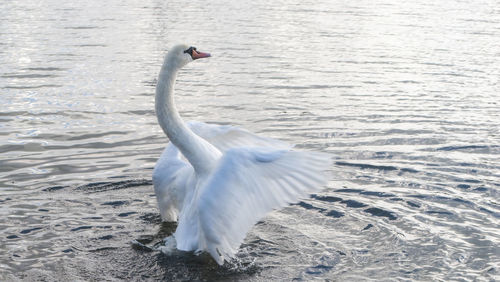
[190, 51]
[196, 54]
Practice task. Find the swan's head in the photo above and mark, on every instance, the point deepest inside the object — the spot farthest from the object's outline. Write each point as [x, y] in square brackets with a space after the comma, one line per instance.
[181, 55]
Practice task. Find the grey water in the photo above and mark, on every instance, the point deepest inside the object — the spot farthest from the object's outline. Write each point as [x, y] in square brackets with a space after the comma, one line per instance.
[403, 95]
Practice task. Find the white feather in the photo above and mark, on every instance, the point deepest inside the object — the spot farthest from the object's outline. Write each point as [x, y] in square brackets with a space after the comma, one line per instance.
[247, 184]
[224, 137]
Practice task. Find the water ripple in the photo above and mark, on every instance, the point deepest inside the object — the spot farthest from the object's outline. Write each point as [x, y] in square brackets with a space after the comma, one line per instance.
[404, 98]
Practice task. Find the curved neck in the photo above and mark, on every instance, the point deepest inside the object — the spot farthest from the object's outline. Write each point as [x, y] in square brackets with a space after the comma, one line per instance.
[201, 154]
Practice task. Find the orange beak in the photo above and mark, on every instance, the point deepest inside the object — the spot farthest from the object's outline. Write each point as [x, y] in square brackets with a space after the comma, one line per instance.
[199, 55]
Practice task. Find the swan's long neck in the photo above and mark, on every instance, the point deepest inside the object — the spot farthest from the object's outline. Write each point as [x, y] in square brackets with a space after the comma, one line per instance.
[201, 154]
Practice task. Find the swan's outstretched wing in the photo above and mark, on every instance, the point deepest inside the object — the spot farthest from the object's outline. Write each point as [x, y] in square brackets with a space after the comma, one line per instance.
[224, 137]
[247, 184]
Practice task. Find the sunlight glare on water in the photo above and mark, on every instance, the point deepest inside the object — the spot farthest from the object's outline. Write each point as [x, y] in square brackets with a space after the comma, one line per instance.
[403, 96]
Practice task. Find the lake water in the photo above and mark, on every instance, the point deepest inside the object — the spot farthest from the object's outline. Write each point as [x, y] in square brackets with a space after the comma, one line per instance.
[405, 97]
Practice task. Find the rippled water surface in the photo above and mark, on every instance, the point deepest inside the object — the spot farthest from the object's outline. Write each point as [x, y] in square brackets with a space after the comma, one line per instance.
[405, 97]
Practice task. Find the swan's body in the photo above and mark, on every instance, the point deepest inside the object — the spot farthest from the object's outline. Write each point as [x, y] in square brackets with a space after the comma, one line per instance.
[218, 181]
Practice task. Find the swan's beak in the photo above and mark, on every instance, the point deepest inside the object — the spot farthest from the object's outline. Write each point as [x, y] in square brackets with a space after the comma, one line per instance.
[199, 55]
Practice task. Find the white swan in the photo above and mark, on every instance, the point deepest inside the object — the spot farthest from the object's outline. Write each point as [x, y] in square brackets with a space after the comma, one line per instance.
[218, 181]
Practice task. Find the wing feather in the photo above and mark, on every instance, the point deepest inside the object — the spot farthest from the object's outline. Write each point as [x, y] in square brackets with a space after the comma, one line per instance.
[247, 184]
[224, 137]
[171, 181]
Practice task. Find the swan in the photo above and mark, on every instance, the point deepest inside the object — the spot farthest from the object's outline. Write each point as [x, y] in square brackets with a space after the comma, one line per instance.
[217, 181]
